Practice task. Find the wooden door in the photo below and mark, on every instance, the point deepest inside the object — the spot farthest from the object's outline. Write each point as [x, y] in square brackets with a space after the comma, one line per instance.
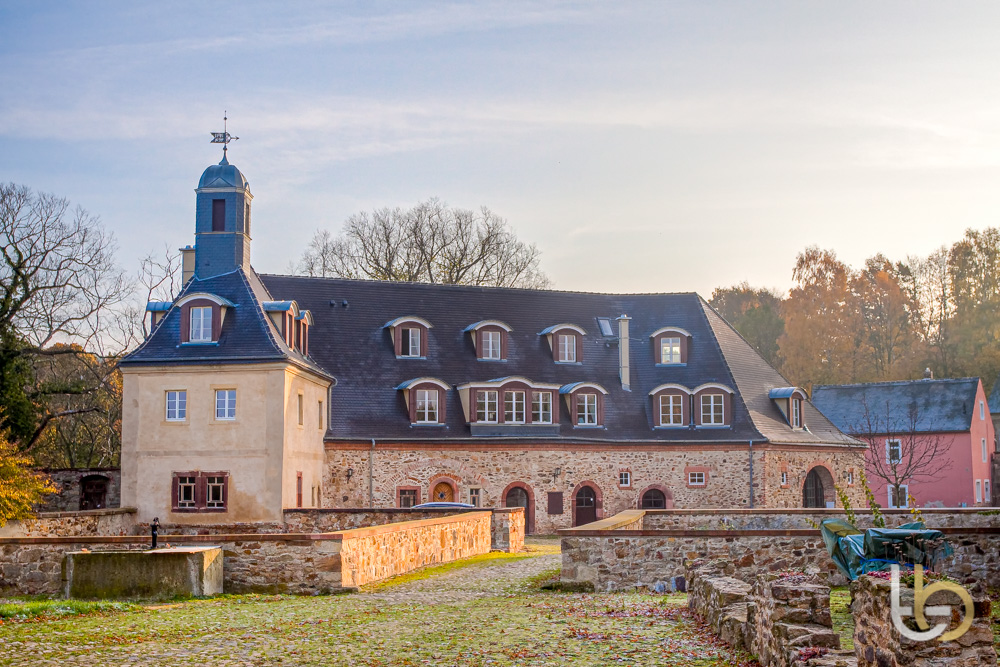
[586, 506]
[93, 492]
[813, 493]
[443, 493]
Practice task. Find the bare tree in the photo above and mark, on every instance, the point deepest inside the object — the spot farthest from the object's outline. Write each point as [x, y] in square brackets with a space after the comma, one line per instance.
[427, 243]
[901, 450]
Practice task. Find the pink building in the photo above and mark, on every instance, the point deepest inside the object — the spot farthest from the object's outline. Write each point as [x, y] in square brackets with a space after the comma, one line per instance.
[935, 437]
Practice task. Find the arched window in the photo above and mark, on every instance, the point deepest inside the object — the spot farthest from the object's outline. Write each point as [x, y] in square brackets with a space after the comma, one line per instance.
[653, 499]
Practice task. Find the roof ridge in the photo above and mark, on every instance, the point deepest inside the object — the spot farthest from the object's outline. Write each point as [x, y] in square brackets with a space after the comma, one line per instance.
[259, 312]
[900, 382]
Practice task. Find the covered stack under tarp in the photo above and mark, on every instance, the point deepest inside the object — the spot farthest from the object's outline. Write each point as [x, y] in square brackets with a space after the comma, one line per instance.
[856, 552]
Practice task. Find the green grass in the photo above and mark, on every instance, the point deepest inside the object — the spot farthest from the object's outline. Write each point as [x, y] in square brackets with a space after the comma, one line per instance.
[843, 622]
[39, 609]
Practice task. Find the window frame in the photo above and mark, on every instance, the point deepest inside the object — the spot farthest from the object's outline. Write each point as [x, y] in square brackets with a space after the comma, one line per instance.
[540, 397]
[982, 410]
[796, 412]
[409, 336]
[888, 451]
[491, 352]
[180, 406]
[483, 399]
[430, 396]
[986, 455]
[205, 332]
[711, 406]
[624, 479]
[201, 484]
[583, 411]
[784, 478]
[678, 348]
[227, 408]
[476, 496]
[320, 415]
[567, 348]
[905, 489]
[680, 406]
[407, 492]
[693, 480]
[979, 490]
[513, 402]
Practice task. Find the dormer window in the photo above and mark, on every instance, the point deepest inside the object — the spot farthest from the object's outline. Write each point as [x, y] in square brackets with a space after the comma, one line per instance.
[409, 336]
[566, 342]
[670, 346]
[791, 403]
[567, 348]
[427, 406]
[202, 316]
[509, 401]
[490, 338]
[671, 405]
[586, 409]
[585, 401]
[425, 400]
[713, 409]
[796, 413]
[487, 402]
[713, 405]
[201, 324]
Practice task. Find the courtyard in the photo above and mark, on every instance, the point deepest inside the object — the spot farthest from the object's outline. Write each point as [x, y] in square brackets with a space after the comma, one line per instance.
[489, 610]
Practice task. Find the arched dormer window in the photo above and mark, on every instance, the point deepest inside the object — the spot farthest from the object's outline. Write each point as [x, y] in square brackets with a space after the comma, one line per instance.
[566, 342]
[409, 336]
[670, 346]
[671, 406]
[510, 401]
[303, 321]
[585, 402]
[713, 405]
[490, 339]
[425, 400]
[202, 315]
[791, 401]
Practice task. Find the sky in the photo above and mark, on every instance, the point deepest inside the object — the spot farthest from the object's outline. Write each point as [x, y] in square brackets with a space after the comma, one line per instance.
[643, 146]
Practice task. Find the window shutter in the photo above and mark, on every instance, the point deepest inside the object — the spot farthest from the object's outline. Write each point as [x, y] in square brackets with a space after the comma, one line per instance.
[555, 502]
[579, 348]
[442, 406]
[576, 408]
[503, 344]
[201, 491]
[216, 321]
[186, 323]
[225, 491]
[600, 408]
[174, 491]
[412, 397]
[479, 343]
[554, 336]
[424, 333]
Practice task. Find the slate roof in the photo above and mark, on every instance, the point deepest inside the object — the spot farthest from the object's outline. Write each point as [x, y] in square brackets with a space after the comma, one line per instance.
[994, 400]
[352, 343]
[248, 335]
[931, 406]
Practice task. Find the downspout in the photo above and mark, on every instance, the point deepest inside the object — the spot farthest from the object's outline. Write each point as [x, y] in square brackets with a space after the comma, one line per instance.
[371, 477]
[751, 474]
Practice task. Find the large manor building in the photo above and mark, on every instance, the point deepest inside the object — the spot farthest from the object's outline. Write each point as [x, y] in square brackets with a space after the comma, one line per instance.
[257, 393]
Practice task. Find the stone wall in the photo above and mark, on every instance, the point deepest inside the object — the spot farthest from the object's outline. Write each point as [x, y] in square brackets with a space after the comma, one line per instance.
[544, 469]
[339, 518]
[68, 487]
[720, 600]
[508, 529]
[625, 559]
[878, 643]
[373, 554]
[71, 524]
[786, 519]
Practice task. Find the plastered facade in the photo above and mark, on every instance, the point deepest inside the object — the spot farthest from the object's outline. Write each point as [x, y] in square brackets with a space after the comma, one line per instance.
[545, 468]
[262, 449]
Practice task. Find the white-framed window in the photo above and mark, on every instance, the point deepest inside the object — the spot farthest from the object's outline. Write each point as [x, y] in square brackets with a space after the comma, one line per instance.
[513, 407]
[671, 410]
[979, 491]
[186, 492]
[491, 345]
[567, 348]
[301, 410]
[696, 479]
[201, 324]
[177, 405]
[215, 492]
[541, 407]
[982, 411]
[986, 455]
[586, 414]
[486, 406]
[411, 342]
[427, 406]
[899, 497]
[476, 497]
[670, 350]
[796, 413]
[784, 478]
[624, 478]
[225, 404]
[713, 410]
[850, 477]
[893, 451]
[986, 490]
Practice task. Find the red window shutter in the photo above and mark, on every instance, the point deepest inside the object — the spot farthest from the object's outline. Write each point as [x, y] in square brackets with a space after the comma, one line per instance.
[174, 491]
[685, 342]
[225, 491]
[216, 321]
[442, 405]
[185, 323]
[555, 502]
[503, 344]
[412, 398]
[600, 409]
[576, 409]
[423, 341]
[579, 348]
[201, 491]
[555, 346]
[305, 338]
[397, 340]
[479, 343]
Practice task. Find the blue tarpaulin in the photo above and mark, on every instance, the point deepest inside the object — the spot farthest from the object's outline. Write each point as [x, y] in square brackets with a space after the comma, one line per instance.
[856, 552]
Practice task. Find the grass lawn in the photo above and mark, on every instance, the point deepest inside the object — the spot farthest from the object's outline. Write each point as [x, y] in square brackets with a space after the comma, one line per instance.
[840, 610]
[517, 625]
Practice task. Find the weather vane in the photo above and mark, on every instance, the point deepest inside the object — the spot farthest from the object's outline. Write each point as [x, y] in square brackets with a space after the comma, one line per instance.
[223, 137]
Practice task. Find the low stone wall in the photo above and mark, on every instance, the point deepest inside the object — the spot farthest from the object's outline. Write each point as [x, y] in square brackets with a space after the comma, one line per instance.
[68, 483]
[508, 529]
[877, 642]
[721, 601]
[373, 554]
[332, 520]
[71, 524]
[620, 559]
[792, 519]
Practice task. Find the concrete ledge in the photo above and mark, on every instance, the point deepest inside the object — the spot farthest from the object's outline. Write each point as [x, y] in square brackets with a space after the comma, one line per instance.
[105, 512]
[611, 523]
[161, 573]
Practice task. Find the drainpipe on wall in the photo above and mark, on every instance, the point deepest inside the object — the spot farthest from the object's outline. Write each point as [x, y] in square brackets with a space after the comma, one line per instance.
[371, 477]
[623, 369]
[751, 474]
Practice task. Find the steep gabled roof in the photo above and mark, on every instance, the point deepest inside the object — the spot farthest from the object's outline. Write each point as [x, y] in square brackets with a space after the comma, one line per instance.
[924, 406]
[247, 335]
[995, 397]
[755, 379]
[352, 343]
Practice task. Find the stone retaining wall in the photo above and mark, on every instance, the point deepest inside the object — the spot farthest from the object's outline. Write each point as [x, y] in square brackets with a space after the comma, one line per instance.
[878, 643]
[68, 483]
[789, 519]
[70, 524]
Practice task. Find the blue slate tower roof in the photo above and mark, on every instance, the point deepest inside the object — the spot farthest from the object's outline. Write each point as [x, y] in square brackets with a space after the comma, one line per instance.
[927, 406]
[223, 175]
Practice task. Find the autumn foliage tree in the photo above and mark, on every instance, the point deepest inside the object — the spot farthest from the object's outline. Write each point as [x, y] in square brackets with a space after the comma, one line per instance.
[20, 486]
[755, 313]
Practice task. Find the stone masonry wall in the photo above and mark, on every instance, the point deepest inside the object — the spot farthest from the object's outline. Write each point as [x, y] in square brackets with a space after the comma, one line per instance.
[373, 554]
[67, 483]
[720, 600]
[71, 524]
[508, 530]
[785, 519]
[786, 614]
[545, 468]
[878, 643]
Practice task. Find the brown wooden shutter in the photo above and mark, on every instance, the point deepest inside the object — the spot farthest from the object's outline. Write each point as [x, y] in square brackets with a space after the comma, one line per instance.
[685, 344]
[600, 408]
[412, 408]
[555, 502]
[225, 491]
[579, 348]
[397, 340]
[216, 321]
[442, 405]
[185, 323]
[554, 344]
[175, 491]
[503, 344]
[576, 409]
[201, 491]
[479, 343]
[424, 333]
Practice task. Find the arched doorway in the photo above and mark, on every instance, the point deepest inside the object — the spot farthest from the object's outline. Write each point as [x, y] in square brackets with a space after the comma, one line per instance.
[653, 499]
[93, 492]
[443, 492]
[817, 491]
[519, 495]
[585, 510]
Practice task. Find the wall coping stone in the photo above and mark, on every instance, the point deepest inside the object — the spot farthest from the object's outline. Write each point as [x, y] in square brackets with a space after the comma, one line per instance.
[608, 524]
[835, 512]
[83, 513]
[788, 532]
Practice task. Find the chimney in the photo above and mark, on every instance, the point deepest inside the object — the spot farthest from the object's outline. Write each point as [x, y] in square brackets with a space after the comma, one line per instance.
[623, 370]
[187, 264]
[928, 374]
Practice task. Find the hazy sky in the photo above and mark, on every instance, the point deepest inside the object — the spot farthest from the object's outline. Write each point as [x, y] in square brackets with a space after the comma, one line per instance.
[660, 146]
